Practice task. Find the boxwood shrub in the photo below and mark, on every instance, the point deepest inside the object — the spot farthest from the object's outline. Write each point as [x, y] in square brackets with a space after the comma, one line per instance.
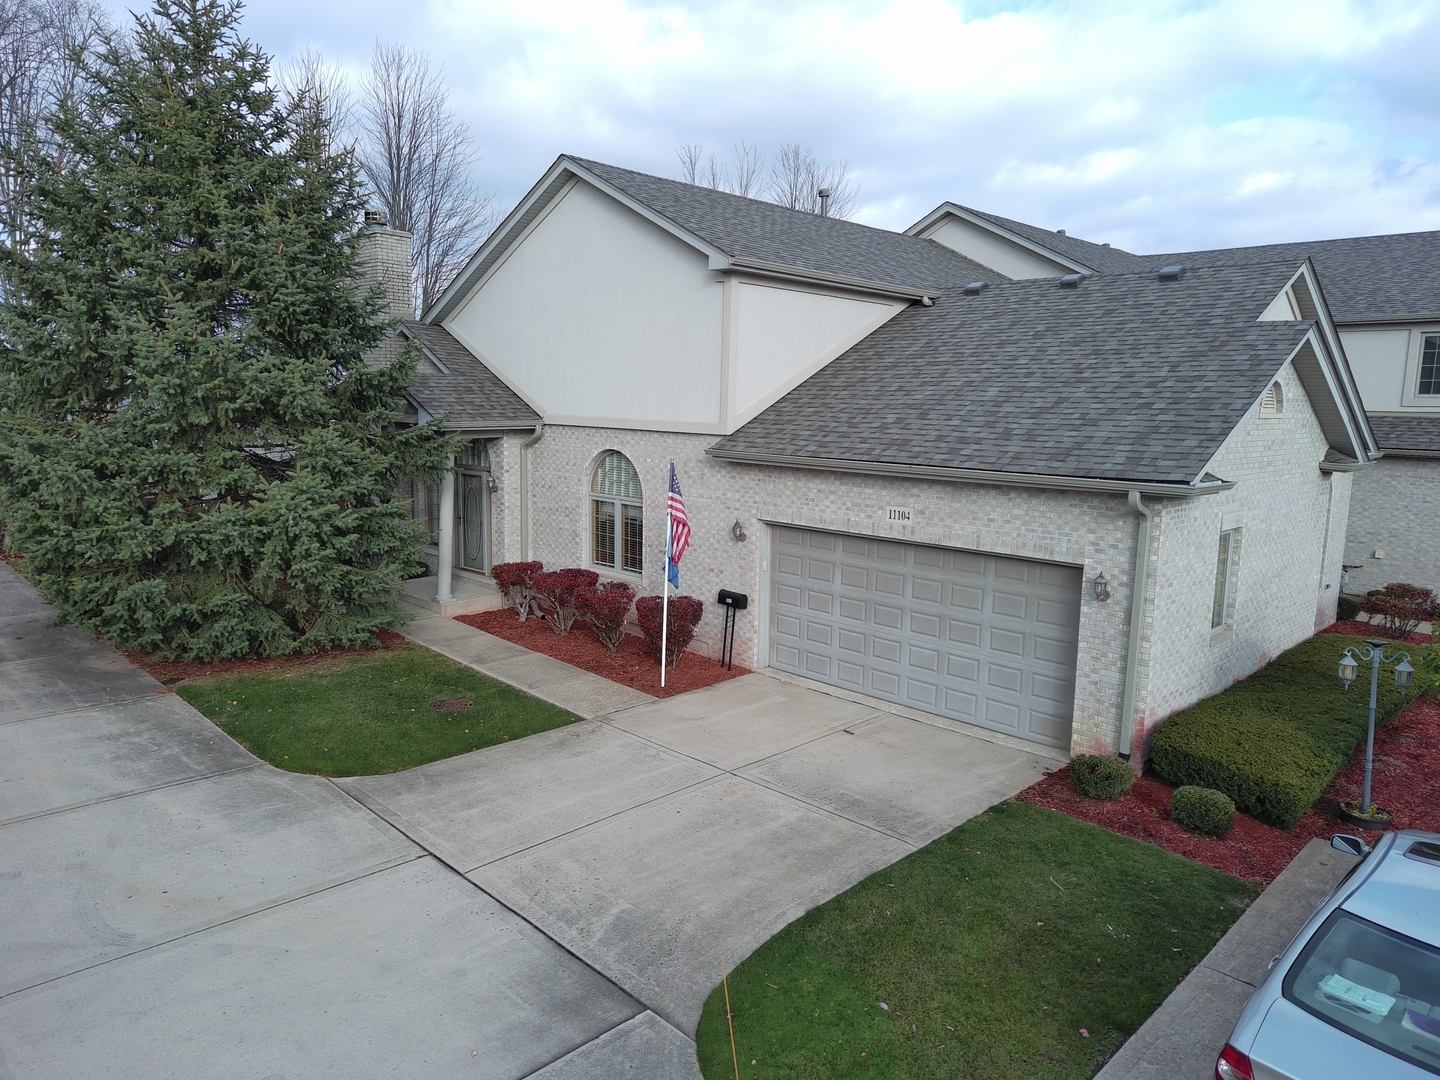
[1274, 740]
[1203, 810]
[1100, 777]
[1347, 609]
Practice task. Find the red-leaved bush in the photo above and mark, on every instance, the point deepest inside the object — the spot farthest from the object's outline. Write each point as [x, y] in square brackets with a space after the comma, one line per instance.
[513, 580]
[685, 612]
[1401, 608]
[605, 608]
[556, 591]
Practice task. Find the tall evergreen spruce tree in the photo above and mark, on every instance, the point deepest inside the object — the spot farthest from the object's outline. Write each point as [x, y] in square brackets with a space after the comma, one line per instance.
[193, 457]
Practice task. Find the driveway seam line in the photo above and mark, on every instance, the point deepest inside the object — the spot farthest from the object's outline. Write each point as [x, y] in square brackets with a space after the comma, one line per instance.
[609, 1031]
[127, 795]
[248, 913]
[485, 892]
[106, 704]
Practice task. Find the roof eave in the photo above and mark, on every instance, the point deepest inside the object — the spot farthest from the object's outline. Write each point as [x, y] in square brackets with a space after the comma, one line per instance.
[792, 273]
[1159, 489]
[950, 209]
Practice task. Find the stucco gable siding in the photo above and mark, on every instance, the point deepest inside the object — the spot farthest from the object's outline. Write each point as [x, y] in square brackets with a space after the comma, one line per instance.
[600, 314]
[1282, 506]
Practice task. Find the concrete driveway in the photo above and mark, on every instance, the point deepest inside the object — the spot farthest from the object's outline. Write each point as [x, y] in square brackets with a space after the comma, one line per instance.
[556, 907]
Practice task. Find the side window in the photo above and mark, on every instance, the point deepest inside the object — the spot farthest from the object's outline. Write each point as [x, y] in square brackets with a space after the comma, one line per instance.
[617, 515]
[1429, 365]
[1223, 607]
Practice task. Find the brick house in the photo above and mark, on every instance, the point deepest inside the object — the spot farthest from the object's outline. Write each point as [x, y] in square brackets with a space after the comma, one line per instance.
[937, 462]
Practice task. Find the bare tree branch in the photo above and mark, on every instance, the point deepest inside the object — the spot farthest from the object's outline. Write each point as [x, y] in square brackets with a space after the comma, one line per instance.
[41, 45]
[418, 157]
[793, 180]
[309, 82]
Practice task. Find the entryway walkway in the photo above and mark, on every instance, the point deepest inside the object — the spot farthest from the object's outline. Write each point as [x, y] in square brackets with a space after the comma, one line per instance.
[555, 907]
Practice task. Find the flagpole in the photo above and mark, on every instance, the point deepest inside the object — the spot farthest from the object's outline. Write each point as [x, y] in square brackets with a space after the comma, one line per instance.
[665, 591]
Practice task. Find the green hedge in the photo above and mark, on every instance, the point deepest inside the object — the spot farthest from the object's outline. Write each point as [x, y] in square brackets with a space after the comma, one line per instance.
[1273, 741]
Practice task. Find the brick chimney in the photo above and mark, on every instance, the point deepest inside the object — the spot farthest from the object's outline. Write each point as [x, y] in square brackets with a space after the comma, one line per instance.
[384, 258]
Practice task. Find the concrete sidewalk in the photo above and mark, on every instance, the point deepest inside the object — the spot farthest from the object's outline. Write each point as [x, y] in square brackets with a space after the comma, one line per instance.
[1183, 1037]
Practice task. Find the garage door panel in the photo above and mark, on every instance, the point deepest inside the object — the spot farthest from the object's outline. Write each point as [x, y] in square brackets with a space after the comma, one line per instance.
[927, 660]
[985, 639]
[891, 618]
[1009, 604]
[962, 668]
[926, 591]
[1050, 651]
[925, 625]
[964, 633]
[967, 597]
[885, 684]
[889, 584]
[887, 649]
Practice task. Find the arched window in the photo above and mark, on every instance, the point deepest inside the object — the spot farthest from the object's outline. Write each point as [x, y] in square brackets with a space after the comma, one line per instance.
[617, 515]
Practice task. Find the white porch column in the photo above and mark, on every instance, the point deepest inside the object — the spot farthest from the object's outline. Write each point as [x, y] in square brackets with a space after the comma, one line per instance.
[445, 571]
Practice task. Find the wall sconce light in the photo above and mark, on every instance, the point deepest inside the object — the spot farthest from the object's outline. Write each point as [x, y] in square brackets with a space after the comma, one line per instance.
[492, 484]
[738, 531]
[1102, 587]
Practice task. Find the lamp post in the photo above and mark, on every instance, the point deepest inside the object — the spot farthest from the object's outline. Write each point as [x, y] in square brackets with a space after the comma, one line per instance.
[1374, 651]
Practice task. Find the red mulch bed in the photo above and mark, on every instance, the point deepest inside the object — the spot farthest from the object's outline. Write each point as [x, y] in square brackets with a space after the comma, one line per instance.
[631, 664]
[1360, 628]
[1406, 782]
[170, 672]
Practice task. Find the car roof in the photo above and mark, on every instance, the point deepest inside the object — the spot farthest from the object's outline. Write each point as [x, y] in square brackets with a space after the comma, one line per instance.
[1403, 892]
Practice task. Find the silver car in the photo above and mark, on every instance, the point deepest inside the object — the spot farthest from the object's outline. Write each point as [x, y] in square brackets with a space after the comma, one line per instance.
[1356, 996]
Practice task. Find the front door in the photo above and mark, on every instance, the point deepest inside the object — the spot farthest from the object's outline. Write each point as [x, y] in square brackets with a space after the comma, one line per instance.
[475, 521]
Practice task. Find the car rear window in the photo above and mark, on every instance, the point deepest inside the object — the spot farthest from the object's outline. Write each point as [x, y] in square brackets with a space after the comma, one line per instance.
[1380, 986]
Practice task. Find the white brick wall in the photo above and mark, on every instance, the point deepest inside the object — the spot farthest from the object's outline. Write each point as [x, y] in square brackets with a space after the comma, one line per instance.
[1095, 531]
[1282, 505]
[1395, 508]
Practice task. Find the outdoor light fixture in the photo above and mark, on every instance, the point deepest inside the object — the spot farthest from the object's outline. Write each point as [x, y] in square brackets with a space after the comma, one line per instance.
[1373, 651]
[492, 484]
[1348, 668]
[738, 531]
[1102, 587]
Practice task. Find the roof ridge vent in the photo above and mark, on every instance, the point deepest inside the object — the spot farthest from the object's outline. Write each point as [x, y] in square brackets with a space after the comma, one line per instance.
[1071, 281]
[975, 288]
[1172, 273]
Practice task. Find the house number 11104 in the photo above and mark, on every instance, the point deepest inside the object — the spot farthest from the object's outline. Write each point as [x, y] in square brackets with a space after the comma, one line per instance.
[897, 513]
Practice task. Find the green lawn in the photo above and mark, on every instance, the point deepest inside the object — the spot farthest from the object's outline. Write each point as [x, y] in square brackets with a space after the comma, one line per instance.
[368, 713]
[992, 948]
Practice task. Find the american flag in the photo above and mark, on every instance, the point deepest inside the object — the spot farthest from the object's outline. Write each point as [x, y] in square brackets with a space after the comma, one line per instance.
[679, 534]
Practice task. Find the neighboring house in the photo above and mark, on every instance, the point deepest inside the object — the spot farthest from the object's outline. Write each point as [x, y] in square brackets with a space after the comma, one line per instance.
[938, 486]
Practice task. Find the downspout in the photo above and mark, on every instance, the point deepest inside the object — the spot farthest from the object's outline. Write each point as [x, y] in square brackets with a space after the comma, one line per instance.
[525, 491]
[1137, 622]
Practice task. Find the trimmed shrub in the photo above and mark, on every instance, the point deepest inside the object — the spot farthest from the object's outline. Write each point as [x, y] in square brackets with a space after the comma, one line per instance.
[513, 580]
[605, 607]
[1402, 608]
[1274, 740]
[1347, 609]
[1203, 810]
[556, 590]
[1098, 777]
[685, 612]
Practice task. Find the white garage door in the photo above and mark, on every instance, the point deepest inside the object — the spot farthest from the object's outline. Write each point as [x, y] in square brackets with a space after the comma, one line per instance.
[979, 638]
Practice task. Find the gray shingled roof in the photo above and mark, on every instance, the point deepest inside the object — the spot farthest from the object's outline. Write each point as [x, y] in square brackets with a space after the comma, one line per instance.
[1100, 257]
[472, 393]
[1123, 378]
[1365, 278]
[1396, 434]
[752, 229]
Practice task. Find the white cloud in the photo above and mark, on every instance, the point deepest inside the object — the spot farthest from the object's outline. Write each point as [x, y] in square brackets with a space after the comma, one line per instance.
[1156, 125]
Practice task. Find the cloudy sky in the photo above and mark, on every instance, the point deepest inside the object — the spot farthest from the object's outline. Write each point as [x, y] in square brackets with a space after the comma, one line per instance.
[1158, 125]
